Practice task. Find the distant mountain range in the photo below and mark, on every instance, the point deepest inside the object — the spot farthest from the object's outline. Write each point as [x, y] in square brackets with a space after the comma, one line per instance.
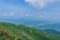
[48, 26]
[51, 31]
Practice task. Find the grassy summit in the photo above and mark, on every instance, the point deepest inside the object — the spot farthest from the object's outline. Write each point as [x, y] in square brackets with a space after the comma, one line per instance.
[10, 31]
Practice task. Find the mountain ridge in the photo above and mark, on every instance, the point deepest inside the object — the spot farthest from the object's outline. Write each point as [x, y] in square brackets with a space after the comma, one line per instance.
[23, 32]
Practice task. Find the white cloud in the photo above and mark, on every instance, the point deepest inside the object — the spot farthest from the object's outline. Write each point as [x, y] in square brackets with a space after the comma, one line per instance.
[24, 15]
[5, 14]
[12, 14]
[40, 3]
[8, 14]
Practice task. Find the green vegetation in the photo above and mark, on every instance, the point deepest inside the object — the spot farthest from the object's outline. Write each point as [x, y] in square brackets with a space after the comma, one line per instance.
[10, 31]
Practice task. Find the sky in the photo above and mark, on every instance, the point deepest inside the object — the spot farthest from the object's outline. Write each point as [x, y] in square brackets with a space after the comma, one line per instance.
[46, 10]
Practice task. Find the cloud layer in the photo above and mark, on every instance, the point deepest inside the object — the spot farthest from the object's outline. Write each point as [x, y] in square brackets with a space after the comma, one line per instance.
[40, 3]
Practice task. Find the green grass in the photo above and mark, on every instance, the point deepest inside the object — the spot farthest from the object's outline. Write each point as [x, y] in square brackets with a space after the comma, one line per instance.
[10, 31]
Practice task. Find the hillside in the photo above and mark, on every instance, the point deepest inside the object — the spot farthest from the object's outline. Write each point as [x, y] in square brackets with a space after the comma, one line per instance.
[10, 31]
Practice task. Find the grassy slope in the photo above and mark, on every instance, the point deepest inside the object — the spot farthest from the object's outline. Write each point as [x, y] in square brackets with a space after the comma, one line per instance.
[22, 32]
